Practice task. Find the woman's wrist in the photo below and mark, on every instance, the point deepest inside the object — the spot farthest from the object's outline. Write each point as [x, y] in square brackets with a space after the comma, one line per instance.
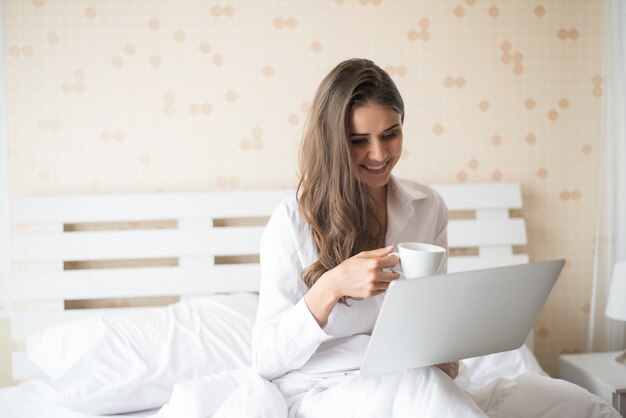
[321, 299]
[328, 284]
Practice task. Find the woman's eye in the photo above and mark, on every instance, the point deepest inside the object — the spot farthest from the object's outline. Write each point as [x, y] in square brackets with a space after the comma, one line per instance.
[356, 141]
[390, 135]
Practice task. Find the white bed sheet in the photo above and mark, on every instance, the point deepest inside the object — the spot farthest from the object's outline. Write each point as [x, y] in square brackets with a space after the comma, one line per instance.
[35, 399]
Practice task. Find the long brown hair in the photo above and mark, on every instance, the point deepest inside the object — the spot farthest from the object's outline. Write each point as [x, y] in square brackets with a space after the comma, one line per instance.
[330, 196]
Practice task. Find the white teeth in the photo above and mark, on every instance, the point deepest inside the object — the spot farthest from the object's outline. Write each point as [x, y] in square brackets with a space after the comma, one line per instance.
[375, 167]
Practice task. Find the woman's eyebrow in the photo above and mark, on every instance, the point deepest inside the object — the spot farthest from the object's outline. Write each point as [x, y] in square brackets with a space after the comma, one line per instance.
[397, 125]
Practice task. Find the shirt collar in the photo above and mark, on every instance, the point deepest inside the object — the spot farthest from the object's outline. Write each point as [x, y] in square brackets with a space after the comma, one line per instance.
[398, 194]
[401, 201]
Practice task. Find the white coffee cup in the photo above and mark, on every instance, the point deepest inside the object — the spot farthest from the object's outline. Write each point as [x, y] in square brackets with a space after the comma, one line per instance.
[418, 259]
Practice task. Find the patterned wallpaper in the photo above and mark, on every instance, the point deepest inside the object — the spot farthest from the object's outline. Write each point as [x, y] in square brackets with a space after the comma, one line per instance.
[117, 96]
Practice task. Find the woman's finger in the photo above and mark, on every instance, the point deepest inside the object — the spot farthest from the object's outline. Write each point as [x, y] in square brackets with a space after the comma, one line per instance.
[387, 277]
[379, 252]
[388, 261]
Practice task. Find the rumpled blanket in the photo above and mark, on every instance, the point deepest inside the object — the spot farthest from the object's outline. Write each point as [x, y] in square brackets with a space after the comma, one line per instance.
[502, 385]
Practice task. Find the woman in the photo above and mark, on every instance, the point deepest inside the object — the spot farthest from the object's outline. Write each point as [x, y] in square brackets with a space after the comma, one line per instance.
[325, 256]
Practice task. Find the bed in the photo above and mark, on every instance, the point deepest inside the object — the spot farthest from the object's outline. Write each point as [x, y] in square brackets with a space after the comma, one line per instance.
[117, 300]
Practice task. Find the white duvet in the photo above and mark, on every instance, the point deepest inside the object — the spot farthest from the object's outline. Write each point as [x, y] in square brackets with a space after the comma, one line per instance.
[509, 384]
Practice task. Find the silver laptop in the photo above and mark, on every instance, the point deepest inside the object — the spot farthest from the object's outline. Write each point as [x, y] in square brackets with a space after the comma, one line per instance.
[450, 317]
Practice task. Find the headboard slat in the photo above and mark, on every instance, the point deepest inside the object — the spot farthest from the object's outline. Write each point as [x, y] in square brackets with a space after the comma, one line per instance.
[146, 207]
[478, 196]
[465, 263]
[138, 282]
[475, 233]
[111, 245]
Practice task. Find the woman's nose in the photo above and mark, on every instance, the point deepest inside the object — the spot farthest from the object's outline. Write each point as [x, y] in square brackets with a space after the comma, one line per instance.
[377, 151]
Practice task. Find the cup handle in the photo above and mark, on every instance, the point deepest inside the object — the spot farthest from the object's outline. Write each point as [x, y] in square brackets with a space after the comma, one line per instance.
[397, 268]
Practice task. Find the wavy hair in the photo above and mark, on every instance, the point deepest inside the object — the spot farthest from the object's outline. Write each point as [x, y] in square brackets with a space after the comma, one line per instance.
[331, 197]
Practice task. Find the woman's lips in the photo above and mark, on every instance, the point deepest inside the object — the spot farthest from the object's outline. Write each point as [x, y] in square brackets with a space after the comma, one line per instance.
[375, 169]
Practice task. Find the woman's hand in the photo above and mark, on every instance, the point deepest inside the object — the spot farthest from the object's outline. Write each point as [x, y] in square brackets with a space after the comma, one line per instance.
[362, 276]
[451, 369]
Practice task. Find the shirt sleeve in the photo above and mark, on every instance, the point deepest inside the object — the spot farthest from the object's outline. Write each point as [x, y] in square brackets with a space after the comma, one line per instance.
[286, 334]
[441, 239]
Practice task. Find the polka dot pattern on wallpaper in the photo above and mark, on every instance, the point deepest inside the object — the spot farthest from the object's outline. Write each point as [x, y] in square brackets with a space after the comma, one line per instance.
[218, 59]
[317, 46]
[597, 85]
[25, 51]
[155, 62]
[145, 160]
[226, 11]
[268, 71]
[294, 119]
[227, 182]
[113, 135]
[179, 36]
[285, 23]
[540, 11]
[76, 84]
[53, 38]
[193, 95]
[422, 33]
[231, 96]
[254, 142]
[200, 109]
[154, 24]
[90, 13]
[51, 125]
[399, 70]
[573, 195]
[452, 82]
[205, 48]
[511, 57]
[565, 34]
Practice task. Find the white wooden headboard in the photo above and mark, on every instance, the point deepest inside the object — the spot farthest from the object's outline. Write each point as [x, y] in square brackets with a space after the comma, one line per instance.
[203, 236]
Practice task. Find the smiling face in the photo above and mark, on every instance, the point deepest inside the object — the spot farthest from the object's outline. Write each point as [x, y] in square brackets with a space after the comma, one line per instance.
[375, 143]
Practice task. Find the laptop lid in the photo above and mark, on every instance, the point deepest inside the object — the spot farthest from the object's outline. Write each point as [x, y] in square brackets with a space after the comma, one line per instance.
[450, 317]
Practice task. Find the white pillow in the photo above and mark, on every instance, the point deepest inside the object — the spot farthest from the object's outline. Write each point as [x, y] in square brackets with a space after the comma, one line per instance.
[110, 363]
[508, 364]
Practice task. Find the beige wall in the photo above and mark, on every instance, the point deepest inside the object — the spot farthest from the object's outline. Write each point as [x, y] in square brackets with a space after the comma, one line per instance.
[5, 353]
[153, 95]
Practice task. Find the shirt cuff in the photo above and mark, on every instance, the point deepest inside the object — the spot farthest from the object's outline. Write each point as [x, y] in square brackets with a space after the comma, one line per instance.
[310, 333]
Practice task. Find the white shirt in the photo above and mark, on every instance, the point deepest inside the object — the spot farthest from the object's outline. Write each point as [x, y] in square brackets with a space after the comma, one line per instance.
[286, 334]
